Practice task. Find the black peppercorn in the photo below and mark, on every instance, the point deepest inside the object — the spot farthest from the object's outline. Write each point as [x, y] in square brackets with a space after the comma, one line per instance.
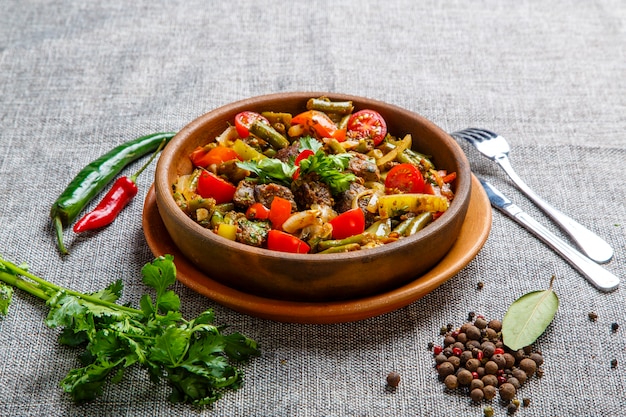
[495, 325]
[528, 365]
[441, 358]
[537, 358]
[465, 356]
[490, 380]
[498, 358]
[477, 395]
[488, 349]
[455, 361]
[451, 382]
[473, 333]
[472, 365]
[520, 375]
[490, 392]
[491, 368]
[446, 369]
[507, 391]
[393, 379]
[613, 363]
[464, 377]
[514, 381]
[614, 327]
[510, 360]
[480, 322]
[491, 334]
[476, 383]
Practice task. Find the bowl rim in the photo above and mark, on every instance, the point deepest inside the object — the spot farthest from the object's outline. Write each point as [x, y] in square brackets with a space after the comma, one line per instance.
[463, 186]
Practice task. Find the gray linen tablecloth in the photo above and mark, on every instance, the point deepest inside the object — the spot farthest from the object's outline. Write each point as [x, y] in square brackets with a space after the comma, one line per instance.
[78, 78]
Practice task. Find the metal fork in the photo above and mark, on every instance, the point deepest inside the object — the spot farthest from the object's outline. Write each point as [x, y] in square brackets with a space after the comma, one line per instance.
[496, 148]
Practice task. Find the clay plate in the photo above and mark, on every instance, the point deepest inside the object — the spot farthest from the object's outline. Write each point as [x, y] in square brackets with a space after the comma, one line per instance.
[472, 237]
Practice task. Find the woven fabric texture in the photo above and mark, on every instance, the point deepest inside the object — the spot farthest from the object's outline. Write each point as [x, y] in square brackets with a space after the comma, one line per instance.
[78, 78]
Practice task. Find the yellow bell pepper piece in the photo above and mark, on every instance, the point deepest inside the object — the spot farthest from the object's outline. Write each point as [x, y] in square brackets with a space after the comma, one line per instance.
[229, 231]
[246, 152]
[392, 205]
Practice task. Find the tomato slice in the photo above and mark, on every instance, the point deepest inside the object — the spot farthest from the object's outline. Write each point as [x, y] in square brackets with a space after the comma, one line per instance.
[257, 211]
[201, 158]
[284, 242]
[280, 210]
[348, 223]
[405, 178]
[244, 120]
[317, 121]
[212, 186]
[367, 124]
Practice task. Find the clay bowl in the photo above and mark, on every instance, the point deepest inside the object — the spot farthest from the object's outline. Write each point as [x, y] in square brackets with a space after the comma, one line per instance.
[312, 277]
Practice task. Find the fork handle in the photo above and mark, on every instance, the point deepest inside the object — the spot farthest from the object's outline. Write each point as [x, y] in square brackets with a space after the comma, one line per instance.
[590, 243]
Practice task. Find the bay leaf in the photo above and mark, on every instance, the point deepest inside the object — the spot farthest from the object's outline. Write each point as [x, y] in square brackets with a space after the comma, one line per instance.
[528, 317]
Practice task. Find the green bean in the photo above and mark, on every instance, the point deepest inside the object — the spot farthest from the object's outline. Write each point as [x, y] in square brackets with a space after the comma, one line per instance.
[380, 228]
[335, 146]
[403, 226]
[418, 223]
[343, 123]
[325, 244]
[95, 176]
[268, 133]
[349, 247]
[327, 106]
[416, 158]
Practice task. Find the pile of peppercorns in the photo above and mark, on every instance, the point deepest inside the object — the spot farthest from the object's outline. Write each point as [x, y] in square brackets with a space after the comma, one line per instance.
[473, 358]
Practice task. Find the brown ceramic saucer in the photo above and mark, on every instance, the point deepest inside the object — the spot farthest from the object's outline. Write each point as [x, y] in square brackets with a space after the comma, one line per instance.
[471, 239]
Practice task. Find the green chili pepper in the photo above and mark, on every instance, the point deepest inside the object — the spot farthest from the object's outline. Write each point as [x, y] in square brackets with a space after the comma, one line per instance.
[95, 176]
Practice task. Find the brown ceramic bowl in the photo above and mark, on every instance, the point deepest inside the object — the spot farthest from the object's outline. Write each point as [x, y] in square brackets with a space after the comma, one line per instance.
[312, 277]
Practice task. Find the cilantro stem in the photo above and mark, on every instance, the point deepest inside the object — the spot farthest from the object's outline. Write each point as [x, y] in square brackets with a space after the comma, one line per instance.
[12, 278]
[17, 282]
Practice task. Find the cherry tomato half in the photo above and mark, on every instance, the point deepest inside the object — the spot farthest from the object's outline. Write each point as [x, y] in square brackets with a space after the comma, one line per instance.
[320, 123]
[367, 124]
[201, 158]
[280, 210]
[348, 223]
[257, 211]
[405, 178]
[284, 242]
[212, 186]
[244, 120]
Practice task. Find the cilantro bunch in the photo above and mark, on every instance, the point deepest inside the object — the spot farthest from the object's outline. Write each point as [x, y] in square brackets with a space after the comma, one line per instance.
[194, 356]
[329, 168]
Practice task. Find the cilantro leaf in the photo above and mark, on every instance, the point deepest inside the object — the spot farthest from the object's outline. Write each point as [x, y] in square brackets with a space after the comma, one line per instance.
[270, 169]
[193, 356]
[330, 169]
[6, 294]
[309, 143]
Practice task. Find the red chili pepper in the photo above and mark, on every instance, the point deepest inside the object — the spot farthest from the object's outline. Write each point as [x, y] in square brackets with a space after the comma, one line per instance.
[123, 191]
